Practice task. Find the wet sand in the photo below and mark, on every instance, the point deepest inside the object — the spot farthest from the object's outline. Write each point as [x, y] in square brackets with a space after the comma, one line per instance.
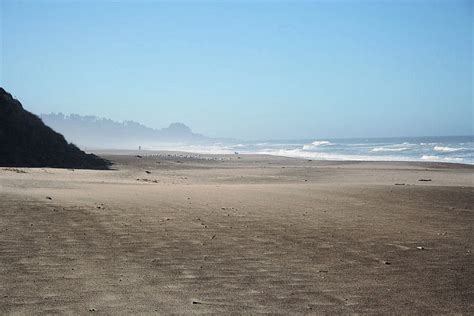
[175, 233]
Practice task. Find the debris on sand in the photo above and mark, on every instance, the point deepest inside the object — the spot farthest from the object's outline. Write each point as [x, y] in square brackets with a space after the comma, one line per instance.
[424, 180]
[387, 262]
[147, 180]
[49, 198]
[399, 183]
[148, 172]
[139, 156]
[196, 302]
[420, 248]
[14, 170]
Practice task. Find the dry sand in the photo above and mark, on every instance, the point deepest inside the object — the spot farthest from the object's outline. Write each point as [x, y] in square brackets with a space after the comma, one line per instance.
[254, 234]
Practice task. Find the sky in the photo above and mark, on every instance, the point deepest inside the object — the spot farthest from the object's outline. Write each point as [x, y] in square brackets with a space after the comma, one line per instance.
[247, 69]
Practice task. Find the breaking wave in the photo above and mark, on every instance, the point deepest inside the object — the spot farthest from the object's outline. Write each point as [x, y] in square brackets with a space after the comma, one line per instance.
[316, 143]
[455, 150]
[447, 149]
[297, 153]
[389, 149]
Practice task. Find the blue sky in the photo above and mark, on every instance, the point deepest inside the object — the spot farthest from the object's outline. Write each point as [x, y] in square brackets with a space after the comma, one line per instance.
[299, 69]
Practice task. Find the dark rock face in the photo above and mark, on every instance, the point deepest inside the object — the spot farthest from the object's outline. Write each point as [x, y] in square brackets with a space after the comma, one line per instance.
[25, 141]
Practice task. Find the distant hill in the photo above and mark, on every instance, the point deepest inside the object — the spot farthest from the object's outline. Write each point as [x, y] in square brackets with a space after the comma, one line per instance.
[25, 141]
[92, 131]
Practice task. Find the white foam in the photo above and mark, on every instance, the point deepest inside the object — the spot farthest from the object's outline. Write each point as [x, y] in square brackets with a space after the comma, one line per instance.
[389, 149]
[442, 159]
[447, 149]
[316, 143]
[395, 152]
[320, 143]
[297, 153]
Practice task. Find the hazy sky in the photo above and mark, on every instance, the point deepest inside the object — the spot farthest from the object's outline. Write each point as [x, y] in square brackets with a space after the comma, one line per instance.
[247, 69]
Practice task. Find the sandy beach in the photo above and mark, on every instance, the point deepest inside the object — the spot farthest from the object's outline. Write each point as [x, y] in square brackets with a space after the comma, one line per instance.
[182, 233]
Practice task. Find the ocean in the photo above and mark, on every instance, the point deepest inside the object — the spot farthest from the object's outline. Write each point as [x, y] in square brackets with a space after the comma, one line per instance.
[453, 149]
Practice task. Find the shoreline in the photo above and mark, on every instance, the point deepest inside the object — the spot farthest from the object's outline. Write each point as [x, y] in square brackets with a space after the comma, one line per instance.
[197, 155]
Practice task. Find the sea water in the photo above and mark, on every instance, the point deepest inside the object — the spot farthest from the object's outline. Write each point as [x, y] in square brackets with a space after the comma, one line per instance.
[454, 149]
